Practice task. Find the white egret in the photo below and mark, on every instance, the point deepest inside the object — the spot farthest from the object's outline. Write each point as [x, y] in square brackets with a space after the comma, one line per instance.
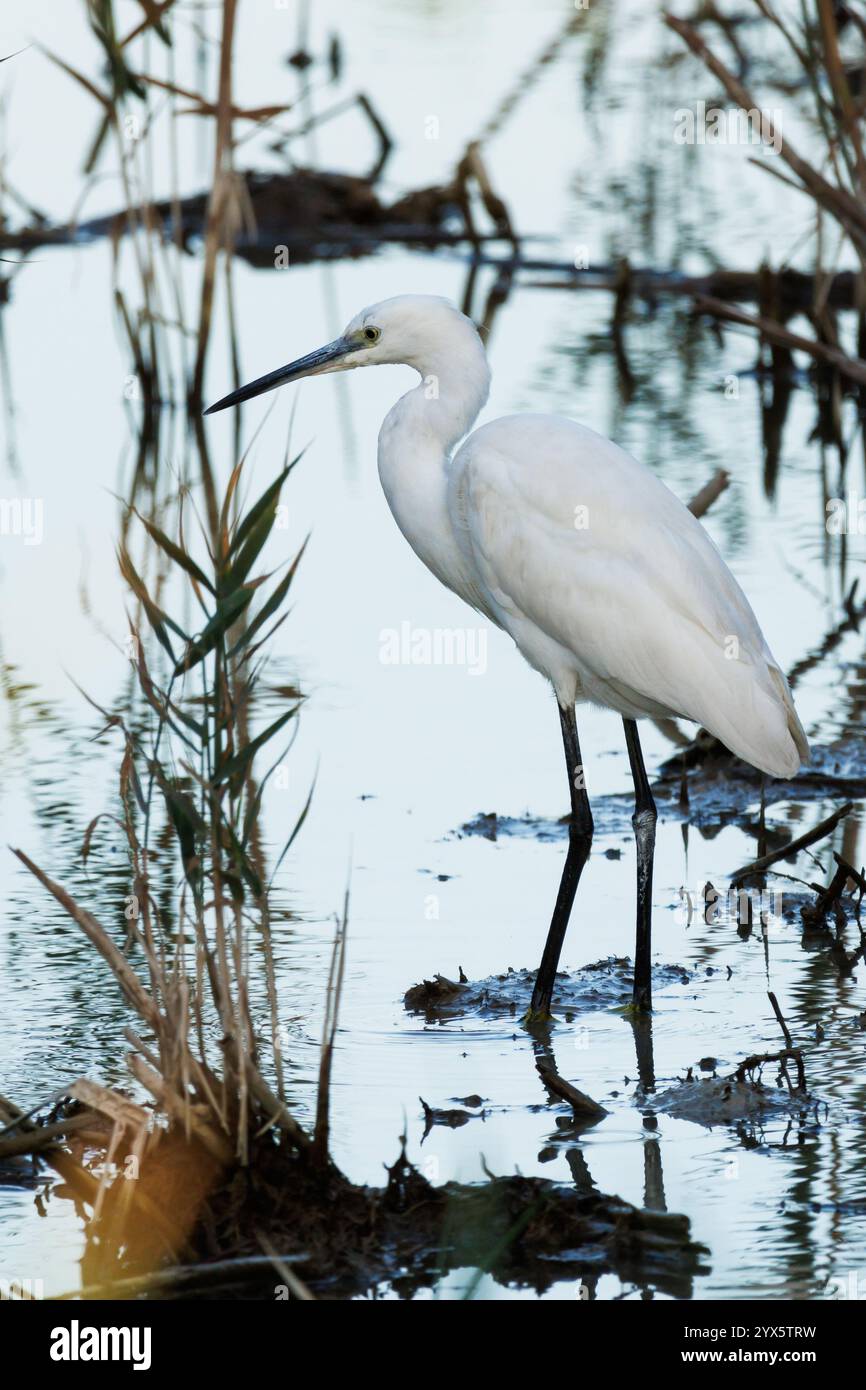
[608, 585]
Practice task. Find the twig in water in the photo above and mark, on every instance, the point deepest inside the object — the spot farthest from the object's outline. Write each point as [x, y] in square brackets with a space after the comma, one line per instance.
[583, 1106]
[760, 1059]
[792, 846]
[46, 1136]
[706, 496]
[789, 1041]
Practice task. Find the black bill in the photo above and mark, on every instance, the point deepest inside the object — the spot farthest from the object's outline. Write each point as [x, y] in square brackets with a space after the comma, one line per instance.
[324, 359]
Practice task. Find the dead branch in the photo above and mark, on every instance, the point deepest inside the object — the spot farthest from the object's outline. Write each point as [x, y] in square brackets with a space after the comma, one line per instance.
[711, 490]
[582, 1105]
[47, 1136]
[181, 1277]
[815, 914]
[852, 367]
[854, 874]
[789, 1041]
[760, 1059]
[792, 847]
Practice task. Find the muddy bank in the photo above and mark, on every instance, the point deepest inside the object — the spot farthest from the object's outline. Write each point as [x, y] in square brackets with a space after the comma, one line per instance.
[285, 1227]
[342, 1240]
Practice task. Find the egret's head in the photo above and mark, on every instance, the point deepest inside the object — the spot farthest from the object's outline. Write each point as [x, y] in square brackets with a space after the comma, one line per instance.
[412, 328]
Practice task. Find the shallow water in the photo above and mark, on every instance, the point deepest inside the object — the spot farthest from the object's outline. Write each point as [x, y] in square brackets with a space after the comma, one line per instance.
[408, 754]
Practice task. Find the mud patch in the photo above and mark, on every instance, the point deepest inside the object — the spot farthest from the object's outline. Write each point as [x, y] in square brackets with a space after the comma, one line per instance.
[703, 785]
[720, 1100]
[602, 985]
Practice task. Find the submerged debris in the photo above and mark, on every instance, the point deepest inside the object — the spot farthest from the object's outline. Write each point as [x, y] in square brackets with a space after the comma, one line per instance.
[831, 898]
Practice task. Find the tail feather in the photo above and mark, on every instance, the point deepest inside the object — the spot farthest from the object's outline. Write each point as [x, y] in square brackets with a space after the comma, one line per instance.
[775, 747]
[795, 728]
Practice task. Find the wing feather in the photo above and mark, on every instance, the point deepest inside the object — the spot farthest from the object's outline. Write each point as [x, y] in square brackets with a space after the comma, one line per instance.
[638, 599]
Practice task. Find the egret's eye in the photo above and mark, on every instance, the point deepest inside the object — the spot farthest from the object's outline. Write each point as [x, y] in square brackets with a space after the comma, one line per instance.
[371, 334]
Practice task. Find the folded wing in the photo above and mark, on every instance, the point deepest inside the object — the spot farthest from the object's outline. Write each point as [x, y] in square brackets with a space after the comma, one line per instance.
[576, 547]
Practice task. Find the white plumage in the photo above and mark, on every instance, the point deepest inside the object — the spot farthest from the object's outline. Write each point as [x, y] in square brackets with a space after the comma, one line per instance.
[604, 579]
[606, 582]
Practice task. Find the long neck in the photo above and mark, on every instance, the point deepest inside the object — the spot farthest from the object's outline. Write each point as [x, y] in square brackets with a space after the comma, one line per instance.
[415, 445]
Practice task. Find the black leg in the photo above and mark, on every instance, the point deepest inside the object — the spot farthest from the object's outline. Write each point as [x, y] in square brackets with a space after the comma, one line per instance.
[579, 842]
[644, 822]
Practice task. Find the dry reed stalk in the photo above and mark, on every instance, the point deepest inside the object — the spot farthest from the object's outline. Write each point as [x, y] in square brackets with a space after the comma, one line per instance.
[219, 197]
[841, 89]
[216, 1109]
[41, 1137]
[329, 1034]
[122, 1111]
[176, 1108]
[123, 972]
[842, 204]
